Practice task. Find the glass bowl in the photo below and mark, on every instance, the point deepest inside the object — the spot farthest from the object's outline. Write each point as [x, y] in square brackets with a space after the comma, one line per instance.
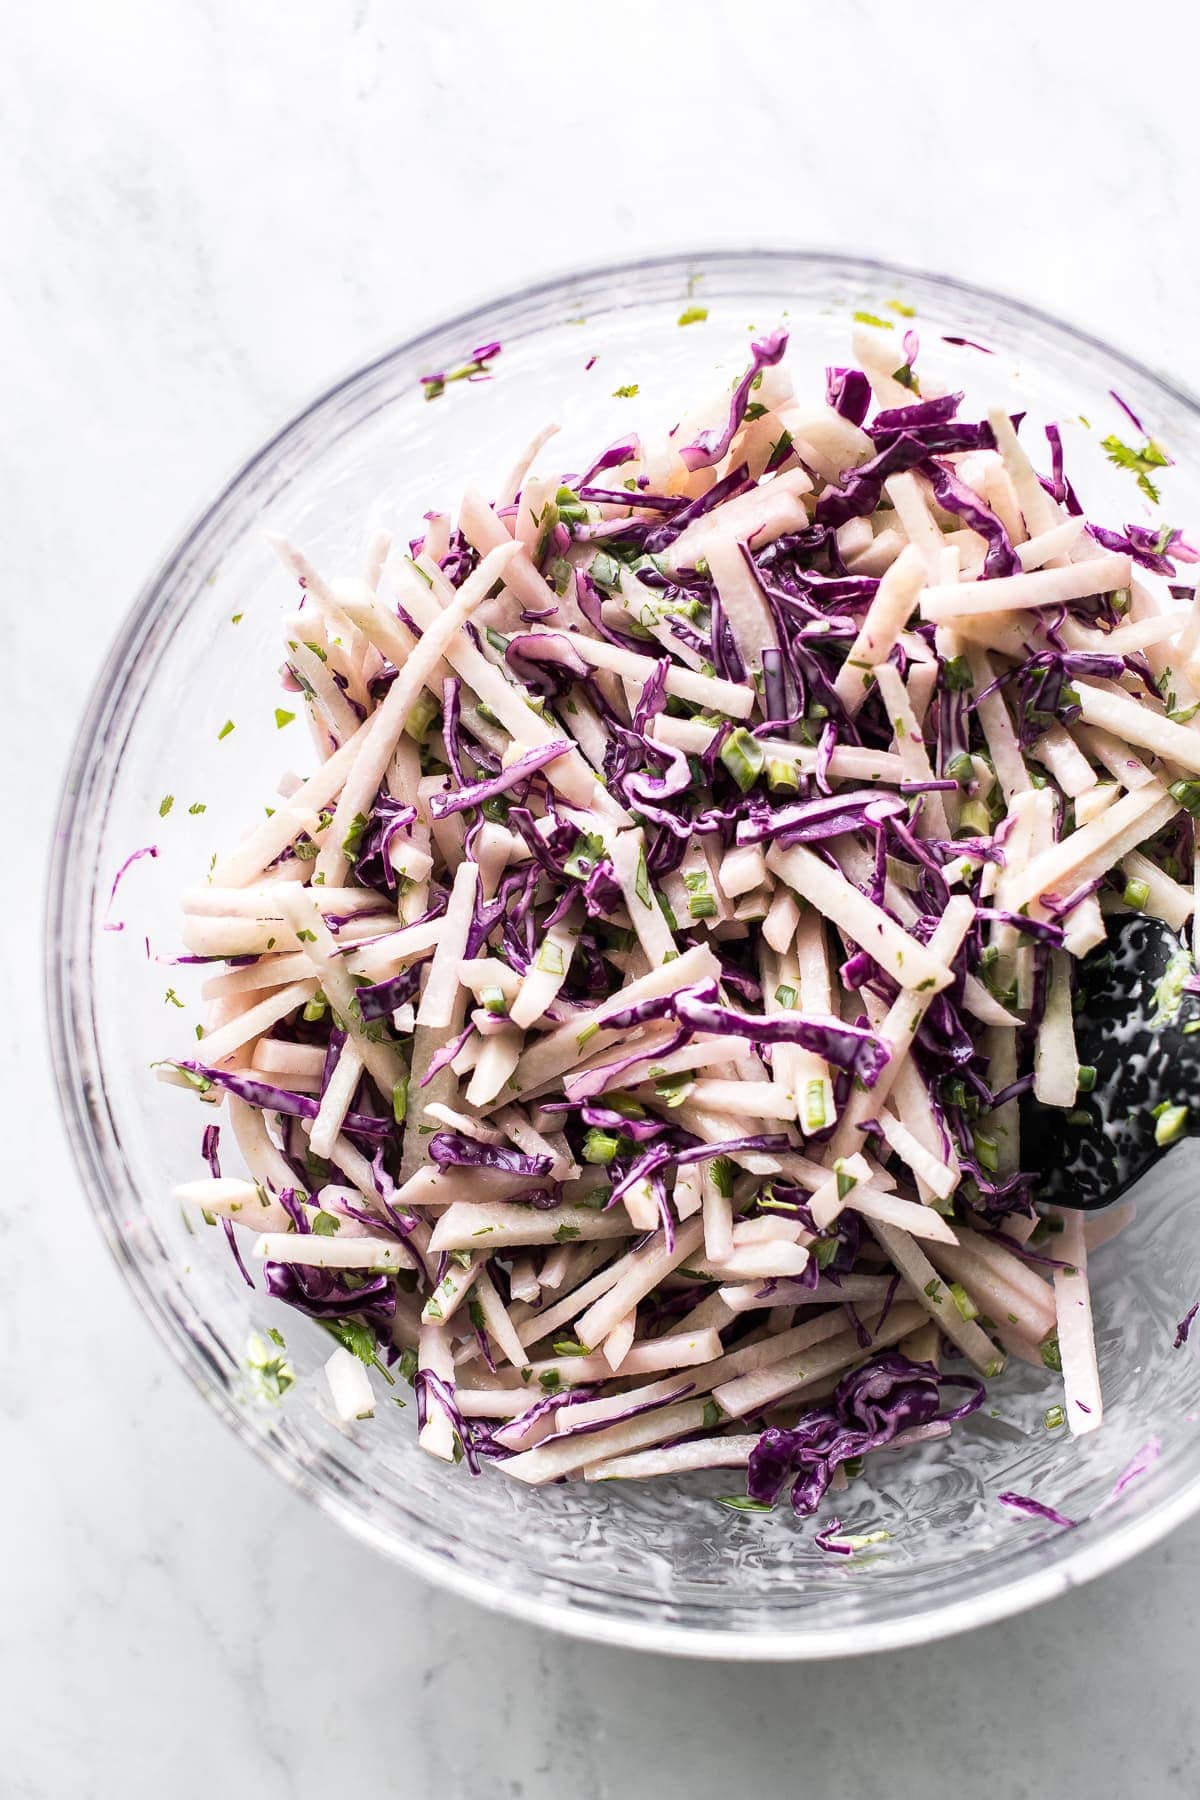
[645, 1565]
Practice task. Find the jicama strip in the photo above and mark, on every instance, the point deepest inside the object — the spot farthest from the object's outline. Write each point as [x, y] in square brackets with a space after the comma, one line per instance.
[754, 1297]
[937, 1176]
[678, 1459]
[349, 1386]
[760, 1099]
[756, 518]
[619, 1341]
[383, 1061]
[336, 1101]
[1044, 587]
[227, 1197]
[742, 601]
[437, 1002]
[450, 1292]
[276, 1057]
[1055, 1062]
[434, 1358]
[1040, 512]
[562, 1048]
[494, 1064]
[783, 914]
[1165, 898]
[627, 853]
[262, 846]
[548, 970]
[751, 1393]
[762, 1262]
[219, 1045]
[898, 1028]
[1056, 541]
[389, 719]
[1092, 849]
[474, 1225]
[569, 774]
[1057, 751]
[908, 961]
[907, 494]
[885, 618]
[1002, 1300]
[643, 1271]
[1076, 1338]
[1094, 800]
[318, 1252]
[910, 747]
[928, 1289]
[1133, 723]
[551, 1461]
[731, 697]
[1013, 1270]
[828, 443]
[1003, 747]
[919, 1221]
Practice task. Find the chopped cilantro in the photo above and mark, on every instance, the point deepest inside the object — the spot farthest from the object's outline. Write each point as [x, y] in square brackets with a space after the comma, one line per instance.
[1138, 462]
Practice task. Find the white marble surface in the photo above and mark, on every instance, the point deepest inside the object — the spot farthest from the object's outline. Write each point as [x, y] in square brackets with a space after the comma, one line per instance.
[210, 208]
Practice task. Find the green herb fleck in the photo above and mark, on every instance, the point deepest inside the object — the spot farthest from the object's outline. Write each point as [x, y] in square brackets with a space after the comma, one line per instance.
[628, 392]
[692, 315]
[225, 730]
[270, 1373]
[600, 1146]
[354, 837]
[967, 1308]
[1139, 462]
[1171, 1125]
[866, 318]
[642, 878]
[1168, 995]
[743, 756]
[282, 718]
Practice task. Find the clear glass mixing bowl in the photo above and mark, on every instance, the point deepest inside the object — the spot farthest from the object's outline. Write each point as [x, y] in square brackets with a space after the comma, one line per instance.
[647, 1565]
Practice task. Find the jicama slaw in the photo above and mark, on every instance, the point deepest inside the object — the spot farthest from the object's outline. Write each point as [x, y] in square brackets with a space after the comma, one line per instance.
[622, 1028]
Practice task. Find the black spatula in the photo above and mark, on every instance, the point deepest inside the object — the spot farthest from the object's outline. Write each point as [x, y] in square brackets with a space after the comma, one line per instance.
[1141, 1034]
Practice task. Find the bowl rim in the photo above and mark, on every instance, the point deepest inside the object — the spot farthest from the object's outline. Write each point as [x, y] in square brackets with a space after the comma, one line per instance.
[65, 1025]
